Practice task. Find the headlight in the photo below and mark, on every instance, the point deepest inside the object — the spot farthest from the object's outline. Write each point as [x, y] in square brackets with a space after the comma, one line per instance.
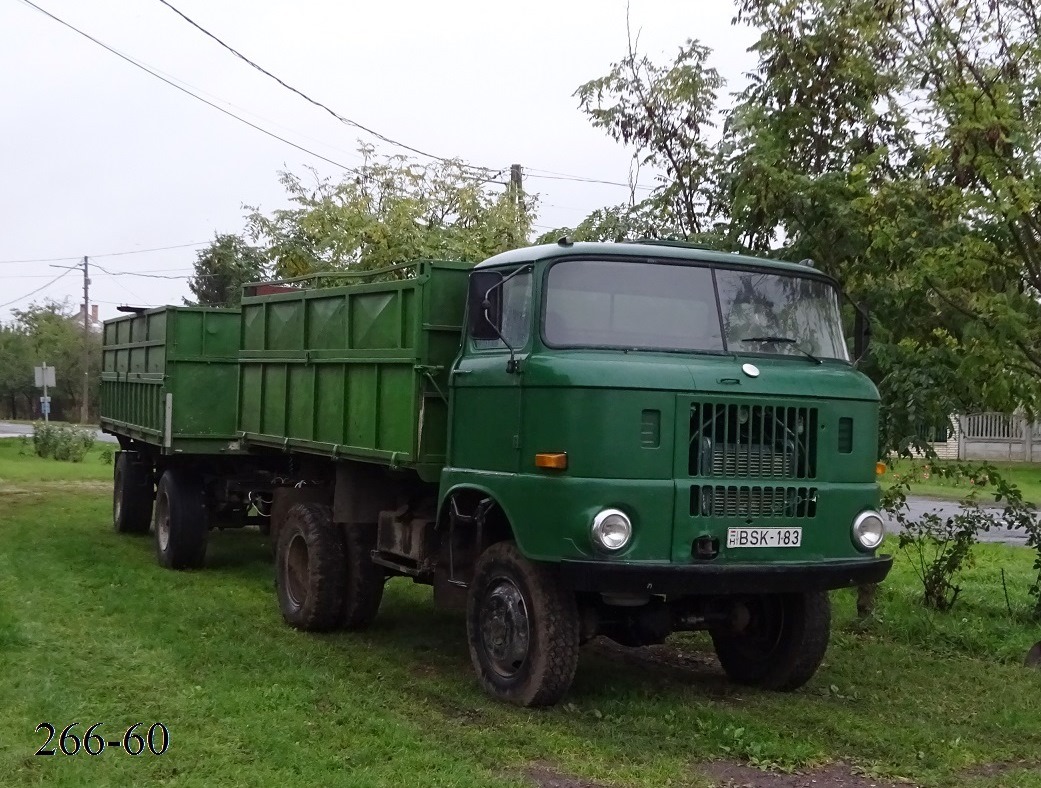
[868, 530]
[611, 530]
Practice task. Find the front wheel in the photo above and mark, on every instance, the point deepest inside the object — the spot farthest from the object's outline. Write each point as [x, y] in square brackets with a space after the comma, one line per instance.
[775, 641]
[522, 626]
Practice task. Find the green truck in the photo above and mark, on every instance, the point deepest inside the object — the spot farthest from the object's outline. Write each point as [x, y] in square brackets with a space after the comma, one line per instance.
[565, 441]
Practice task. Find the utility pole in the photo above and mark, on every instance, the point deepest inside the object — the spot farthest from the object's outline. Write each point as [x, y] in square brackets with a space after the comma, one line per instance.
[84, 415]
[517, 185]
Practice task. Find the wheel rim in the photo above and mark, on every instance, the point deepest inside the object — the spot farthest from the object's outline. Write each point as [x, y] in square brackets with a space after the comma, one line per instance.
[761, 637]
[504, 626]
[117, 498]
[162, 522]
[297, 565]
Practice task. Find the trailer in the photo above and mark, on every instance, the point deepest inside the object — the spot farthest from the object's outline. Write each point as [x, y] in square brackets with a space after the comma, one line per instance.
[564, 441]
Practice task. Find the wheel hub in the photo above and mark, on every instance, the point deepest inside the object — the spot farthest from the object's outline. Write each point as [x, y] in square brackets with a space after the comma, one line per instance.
[162, 524]
[296, 570]
[505, 633]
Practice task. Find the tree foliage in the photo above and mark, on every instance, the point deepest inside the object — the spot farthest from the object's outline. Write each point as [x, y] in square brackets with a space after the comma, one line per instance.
[895, 142]
[391, 210]
[222, 268]
[50, 333]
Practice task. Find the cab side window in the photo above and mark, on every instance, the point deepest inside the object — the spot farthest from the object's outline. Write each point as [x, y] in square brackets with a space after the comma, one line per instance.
[516, 314]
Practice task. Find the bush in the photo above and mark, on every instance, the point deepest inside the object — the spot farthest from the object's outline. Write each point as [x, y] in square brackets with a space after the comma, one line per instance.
[941, 547]
[62, 442]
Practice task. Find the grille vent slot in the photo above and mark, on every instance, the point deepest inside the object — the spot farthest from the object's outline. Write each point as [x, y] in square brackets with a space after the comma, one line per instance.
[650, 429]
[845, 435]
[740, 501]
[753, 441]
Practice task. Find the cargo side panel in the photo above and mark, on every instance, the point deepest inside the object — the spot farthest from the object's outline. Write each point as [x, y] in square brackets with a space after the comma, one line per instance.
[356, 370]
[188, 353]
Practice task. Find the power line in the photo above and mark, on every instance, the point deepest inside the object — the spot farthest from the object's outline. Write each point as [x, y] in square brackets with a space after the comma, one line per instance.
[38, 289]
[551, 175]
[315, 102]
[581, 179]
[172, 84]
[106, 254]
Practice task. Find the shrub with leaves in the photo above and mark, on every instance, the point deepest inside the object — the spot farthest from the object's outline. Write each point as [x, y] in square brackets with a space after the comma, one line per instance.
[940, 547]
[63, 442]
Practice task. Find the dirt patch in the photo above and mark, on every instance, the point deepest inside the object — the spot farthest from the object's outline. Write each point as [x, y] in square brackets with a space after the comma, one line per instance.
[64, 485]
[728, 774]
[545, 776]
[671, 661]
[995, 769]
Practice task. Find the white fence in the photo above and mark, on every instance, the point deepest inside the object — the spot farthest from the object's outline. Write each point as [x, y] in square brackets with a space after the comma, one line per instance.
[997, 436]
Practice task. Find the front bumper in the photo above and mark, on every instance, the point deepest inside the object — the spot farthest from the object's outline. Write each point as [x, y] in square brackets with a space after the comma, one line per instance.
[681, 580]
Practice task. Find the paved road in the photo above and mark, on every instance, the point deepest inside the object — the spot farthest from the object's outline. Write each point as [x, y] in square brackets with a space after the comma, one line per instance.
[12, 430]
[919, 506]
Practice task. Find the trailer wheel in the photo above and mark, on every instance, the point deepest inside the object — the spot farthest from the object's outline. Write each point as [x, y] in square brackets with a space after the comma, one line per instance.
[523, 628]
[309, 568]
[780, 641]
[131, 494]
[363, 583]
[181, 520]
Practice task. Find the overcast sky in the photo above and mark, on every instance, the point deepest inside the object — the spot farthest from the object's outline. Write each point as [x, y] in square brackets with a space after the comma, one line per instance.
[100, 157]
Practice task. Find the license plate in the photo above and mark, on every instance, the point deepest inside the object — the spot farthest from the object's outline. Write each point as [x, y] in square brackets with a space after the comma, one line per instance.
[764, 537]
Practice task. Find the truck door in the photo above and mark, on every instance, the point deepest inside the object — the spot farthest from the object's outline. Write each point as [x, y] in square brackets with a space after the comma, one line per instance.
[486, 386]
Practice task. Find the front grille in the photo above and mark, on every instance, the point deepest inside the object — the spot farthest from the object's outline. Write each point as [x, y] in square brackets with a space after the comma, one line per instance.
[753, 441]
[737, 501]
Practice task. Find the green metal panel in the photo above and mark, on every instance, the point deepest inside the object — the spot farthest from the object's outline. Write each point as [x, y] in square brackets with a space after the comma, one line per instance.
[188, 353]
[358, 369]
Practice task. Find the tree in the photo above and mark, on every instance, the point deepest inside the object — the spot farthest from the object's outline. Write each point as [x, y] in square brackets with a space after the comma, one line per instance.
[51, 332]
[390, 211]
[222, 268]
[894, 142]
[16, 372]
[664, 113]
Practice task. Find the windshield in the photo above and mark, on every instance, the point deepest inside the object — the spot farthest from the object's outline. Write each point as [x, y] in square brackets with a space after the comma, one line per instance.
[655, 306]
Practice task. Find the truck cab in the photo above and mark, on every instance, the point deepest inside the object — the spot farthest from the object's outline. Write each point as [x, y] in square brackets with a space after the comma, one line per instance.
[678, 437]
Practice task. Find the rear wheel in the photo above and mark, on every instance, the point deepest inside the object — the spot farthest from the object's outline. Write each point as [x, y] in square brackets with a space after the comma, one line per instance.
[363, 581]
[777, 641]
[181, 520]
[522, 627]
[131, 494]
[309, 569]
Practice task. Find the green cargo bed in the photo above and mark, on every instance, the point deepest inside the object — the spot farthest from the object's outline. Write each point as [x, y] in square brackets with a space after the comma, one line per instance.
[358, 370]
[170, 378]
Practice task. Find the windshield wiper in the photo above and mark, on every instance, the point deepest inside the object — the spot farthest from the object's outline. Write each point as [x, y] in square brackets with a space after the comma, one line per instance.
[783, 341]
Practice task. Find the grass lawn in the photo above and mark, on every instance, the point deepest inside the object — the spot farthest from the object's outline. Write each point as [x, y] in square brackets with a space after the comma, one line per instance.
[925, 480]
[92, 630]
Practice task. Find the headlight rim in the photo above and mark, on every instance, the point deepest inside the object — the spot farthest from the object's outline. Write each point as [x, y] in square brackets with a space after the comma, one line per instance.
[855, 530]
[595, 531]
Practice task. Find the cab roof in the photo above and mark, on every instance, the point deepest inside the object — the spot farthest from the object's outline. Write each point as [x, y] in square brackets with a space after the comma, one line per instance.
[647, 250]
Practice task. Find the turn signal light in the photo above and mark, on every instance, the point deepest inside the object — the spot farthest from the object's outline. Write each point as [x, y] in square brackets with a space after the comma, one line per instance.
[555, 460]
[880, 468]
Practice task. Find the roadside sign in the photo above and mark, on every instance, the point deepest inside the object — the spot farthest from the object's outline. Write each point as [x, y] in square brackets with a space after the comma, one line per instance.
[44, 376]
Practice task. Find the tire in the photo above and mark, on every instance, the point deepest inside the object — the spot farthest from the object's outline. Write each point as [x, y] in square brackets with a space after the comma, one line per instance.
[522, 626]
[782, 643]
[132, 494]
[310, 569]
[363, 580]
[181, 521]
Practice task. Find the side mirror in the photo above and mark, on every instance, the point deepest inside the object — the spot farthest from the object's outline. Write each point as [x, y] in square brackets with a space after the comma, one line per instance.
[484, 305]
[861, 333]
